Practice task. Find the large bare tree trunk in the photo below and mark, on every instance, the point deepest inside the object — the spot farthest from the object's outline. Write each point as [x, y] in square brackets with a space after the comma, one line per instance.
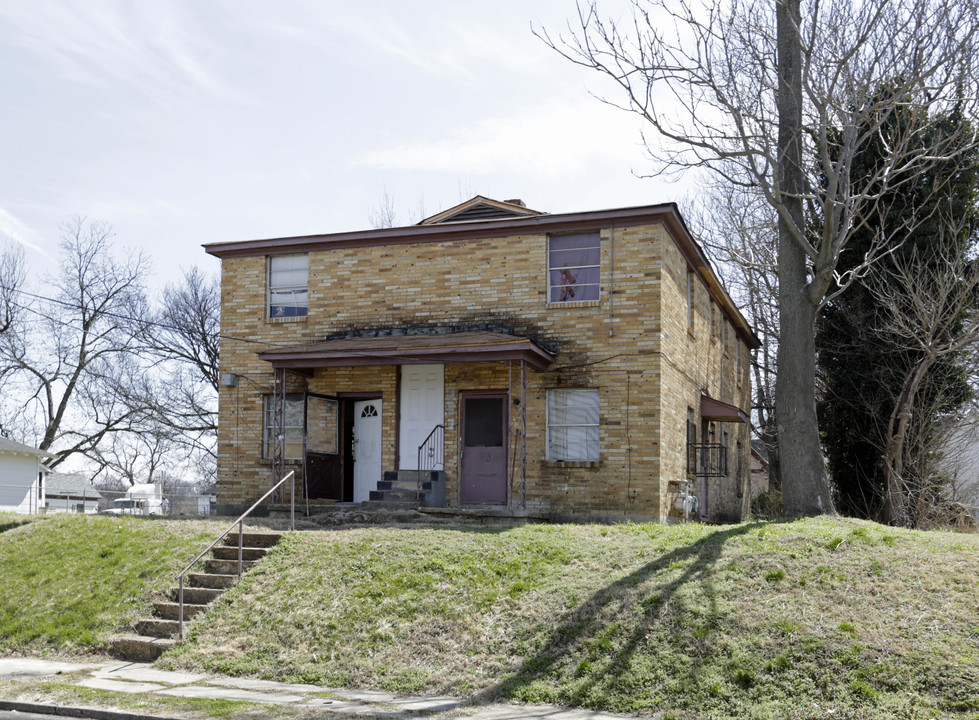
[805, 488]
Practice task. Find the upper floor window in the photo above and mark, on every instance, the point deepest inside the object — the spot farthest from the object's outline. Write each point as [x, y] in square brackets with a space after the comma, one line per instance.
[573, 267]
[288, 286]
[572, 424]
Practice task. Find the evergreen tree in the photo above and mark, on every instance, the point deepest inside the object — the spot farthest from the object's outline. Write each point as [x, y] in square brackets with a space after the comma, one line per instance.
[861, 368]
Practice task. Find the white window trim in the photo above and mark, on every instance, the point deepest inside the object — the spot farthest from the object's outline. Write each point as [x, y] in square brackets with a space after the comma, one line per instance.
[592, 452]
[597, 265]
[269, 288]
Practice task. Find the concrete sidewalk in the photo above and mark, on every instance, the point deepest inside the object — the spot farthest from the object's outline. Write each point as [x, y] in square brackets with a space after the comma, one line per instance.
[308, 700]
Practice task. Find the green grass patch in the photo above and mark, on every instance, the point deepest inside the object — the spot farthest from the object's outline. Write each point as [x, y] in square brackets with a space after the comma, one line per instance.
[814, 618]
[67, 582]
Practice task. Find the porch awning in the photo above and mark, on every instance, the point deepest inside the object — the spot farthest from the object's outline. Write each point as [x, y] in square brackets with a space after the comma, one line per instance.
[410, 350]
[711, 409]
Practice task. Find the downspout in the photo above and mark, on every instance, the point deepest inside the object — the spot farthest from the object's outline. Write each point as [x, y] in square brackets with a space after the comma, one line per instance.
[611, 280]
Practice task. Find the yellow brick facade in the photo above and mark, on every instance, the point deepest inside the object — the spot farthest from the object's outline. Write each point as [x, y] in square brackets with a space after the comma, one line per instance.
[633, 345]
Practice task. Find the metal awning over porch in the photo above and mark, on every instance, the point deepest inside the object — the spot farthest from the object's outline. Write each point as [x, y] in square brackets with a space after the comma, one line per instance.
[711, 409]
[410, 349]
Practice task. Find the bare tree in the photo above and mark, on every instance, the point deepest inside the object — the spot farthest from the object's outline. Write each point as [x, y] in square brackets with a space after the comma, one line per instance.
[930, 303]
[783, 101]
[383, 214]
[12, 275]
[70, 373]
[738, 229]
[183, 337]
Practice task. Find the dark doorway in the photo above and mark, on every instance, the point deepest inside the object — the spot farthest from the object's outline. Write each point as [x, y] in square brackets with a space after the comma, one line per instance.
[323, 462]
[482, 475]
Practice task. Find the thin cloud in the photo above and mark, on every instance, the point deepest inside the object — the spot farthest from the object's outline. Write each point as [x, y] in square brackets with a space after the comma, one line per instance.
[154, 48]
[13, 229]
[556, 139]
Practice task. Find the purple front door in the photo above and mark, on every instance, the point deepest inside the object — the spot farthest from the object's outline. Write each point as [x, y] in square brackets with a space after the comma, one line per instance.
[484, 453]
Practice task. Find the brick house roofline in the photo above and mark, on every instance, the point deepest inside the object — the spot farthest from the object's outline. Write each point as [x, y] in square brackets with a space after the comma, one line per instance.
[667, 214]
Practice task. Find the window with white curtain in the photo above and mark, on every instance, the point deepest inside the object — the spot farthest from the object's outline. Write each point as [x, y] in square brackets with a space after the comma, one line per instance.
[572, 424]
[288, 286]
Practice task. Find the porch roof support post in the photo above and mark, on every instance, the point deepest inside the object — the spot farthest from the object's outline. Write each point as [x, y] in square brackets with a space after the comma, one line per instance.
[509, 434]
[278, 424]
[523, 434]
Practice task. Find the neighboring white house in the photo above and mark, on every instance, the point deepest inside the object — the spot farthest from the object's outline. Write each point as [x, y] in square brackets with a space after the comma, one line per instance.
[70, 492]
[21, 477]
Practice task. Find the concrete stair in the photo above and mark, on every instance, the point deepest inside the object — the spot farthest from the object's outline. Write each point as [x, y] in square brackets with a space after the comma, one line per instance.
[410, 488]
[153, 636]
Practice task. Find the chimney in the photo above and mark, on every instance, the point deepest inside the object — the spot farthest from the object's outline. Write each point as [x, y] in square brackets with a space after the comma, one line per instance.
[516, 201]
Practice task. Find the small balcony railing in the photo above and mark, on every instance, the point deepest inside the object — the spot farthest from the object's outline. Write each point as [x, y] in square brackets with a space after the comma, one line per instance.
[707, 459]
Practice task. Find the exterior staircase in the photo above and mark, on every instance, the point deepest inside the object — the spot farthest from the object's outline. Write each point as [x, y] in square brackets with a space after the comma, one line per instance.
[411, 488]
[151, 637]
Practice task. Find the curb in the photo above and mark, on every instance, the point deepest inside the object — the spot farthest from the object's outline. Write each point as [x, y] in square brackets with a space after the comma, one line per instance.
[77, 712]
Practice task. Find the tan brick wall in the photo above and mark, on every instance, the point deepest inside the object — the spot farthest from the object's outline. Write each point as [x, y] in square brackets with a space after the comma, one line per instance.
[648, 369]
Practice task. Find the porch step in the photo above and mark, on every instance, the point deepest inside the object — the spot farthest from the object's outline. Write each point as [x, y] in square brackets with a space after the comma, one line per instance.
[399, 496]
[154, 636]
[403, 486]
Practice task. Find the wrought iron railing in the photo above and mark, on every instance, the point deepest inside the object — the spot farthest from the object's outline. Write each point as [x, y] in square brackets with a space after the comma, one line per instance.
[707, 459]
[431, 454]
[240, 523]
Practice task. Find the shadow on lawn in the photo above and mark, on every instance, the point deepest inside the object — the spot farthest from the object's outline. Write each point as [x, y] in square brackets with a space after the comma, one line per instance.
[584, 625]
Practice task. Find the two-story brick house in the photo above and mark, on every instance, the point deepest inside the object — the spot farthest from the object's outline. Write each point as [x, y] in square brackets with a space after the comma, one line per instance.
[583, 364]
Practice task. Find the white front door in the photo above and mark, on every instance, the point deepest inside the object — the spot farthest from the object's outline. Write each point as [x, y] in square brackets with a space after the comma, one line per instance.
[366, 448]
[422, 408]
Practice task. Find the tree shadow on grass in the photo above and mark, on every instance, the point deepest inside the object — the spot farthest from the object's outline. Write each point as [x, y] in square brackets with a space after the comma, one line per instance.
[586, 625]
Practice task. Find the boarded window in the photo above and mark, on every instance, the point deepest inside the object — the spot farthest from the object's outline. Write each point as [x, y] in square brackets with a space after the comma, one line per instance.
[572, 424]
[288, 286]
[573, 267]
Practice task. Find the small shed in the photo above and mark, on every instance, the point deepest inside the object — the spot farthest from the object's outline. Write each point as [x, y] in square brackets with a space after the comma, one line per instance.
[22, 477]
[71, 492]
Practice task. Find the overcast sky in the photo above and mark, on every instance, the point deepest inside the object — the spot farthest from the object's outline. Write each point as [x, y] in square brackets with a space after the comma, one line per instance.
[186, 122]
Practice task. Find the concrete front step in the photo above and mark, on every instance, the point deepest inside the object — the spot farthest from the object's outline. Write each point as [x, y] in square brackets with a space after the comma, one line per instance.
[388, 504]
[155, 627]
[403, 485]
[230, 552]
[196, 595]
[171, 610]
[398, 496]
[211, 580]
[137, 648]
[228, 567]
[253, 539]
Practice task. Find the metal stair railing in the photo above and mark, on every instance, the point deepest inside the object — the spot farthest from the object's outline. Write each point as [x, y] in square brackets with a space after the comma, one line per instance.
[431, 454]
[240, 523]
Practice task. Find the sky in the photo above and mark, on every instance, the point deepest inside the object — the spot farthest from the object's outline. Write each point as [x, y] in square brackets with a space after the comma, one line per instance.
[184, 122]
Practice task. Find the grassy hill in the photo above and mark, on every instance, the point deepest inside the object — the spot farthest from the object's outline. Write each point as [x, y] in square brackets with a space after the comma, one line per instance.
[818, 618]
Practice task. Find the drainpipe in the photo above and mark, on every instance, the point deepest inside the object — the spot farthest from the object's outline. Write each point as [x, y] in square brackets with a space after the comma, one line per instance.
[611, 280]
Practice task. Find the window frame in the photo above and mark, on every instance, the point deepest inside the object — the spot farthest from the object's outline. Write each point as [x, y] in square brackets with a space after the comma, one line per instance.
[592, 451]
[597, 266]
[295, 289]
